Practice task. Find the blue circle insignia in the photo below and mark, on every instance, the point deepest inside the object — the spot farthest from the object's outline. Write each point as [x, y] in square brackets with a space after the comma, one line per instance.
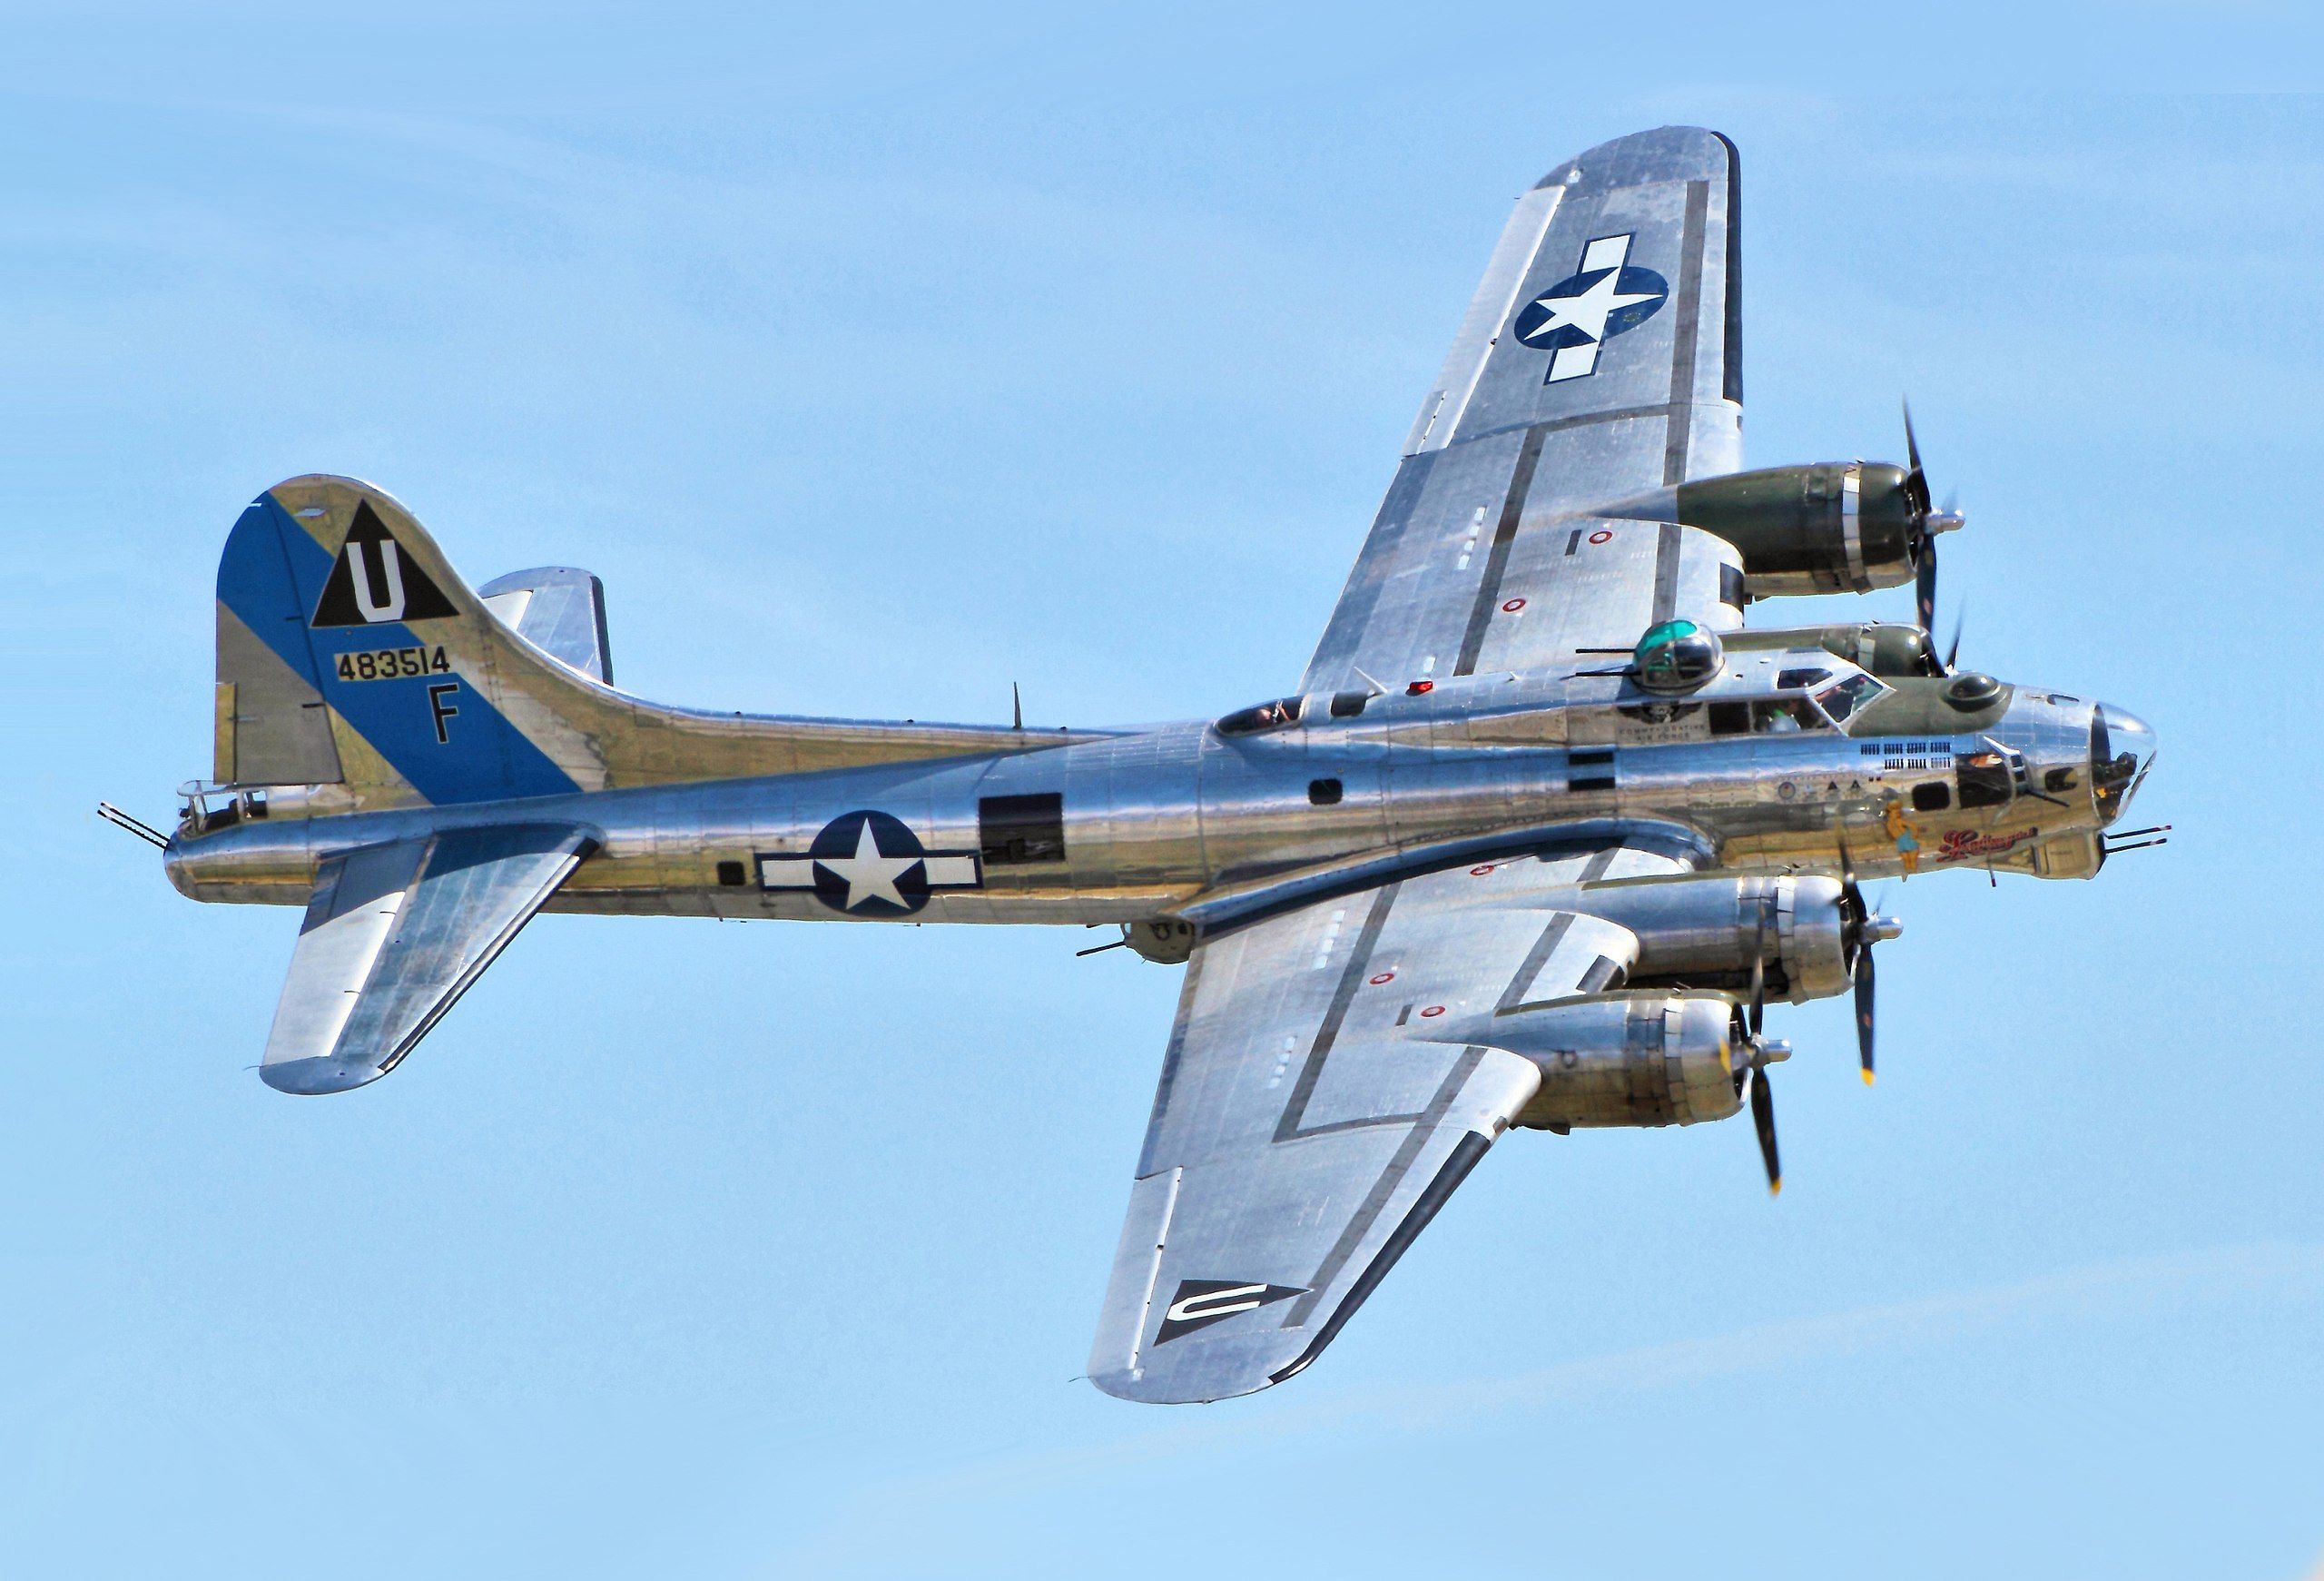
[869, 865]
[1592, 306]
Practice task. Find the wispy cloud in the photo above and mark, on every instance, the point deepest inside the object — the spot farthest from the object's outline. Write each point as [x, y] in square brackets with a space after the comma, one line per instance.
[2222, 1274]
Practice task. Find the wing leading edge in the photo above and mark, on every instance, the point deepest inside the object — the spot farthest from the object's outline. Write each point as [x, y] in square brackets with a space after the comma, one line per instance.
[1330, 1081]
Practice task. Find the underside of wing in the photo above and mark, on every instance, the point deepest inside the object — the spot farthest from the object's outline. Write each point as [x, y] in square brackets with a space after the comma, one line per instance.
[1332, 1078]
[394, 934]
[1599, 360]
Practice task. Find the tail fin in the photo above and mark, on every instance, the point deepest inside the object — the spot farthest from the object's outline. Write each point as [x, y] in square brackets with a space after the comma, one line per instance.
[351, 654]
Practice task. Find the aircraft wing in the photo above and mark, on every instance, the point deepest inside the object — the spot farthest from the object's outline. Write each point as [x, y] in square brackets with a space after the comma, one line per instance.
[394, 934]
[1324, 1092]
[1600, 360]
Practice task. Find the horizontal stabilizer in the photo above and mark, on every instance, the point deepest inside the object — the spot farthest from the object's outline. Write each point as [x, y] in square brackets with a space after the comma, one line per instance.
[394, 934]
[558, 609]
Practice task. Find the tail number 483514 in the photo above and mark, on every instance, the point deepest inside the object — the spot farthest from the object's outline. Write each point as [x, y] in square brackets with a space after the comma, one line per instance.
[393, 664]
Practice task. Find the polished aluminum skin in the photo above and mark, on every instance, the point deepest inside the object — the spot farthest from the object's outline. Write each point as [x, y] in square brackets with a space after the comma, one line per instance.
[1540, 836]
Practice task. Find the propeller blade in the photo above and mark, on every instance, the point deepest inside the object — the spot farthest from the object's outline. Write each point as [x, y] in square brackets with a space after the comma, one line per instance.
[1860, 958]
[1924, 584]
[1916, 480]
[1759, 973]
[1763, 1121]
[1960, 619]
[1863, 975]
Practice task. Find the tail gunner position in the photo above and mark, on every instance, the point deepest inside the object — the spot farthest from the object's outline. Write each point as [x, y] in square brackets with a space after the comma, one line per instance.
[1537, 836]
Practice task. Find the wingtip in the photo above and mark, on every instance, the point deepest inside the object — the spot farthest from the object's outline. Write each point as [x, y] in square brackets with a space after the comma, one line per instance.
[1686, 149]
[1138, 1388]
[312, 1077]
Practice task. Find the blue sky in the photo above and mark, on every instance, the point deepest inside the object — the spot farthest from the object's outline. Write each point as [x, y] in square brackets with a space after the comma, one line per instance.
[878, 363]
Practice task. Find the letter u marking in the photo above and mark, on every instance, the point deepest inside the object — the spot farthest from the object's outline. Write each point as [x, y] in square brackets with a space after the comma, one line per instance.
[390, 570]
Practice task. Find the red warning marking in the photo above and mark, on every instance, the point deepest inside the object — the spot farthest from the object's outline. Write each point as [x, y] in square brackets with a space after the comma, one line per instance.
[1433, 1010]
[1512, 606]
[1418, 687]
[1380, 977]
[1601, 536]
[1481, 872]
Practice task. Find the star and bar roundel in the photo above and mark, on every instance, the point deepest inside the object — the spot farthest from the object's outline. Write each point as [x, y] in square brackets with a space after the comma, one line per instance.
[867, 864]
[1607, 296]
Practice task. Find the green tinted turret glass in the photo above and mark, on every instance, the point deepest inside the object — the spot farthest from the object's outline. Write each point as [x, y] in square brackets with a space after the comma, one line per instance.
[1677, 656]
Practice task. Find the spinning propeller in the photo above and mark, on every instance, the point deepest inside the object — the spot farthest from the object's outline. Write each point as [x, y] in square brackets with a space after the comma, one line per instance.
[1756, 1054]
[1863, 928]
[1926, 524]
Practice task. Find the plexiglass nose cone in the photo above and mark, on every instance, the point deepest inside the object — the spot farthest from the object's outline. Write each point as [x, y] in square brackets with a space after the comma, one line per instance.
[2122, 744]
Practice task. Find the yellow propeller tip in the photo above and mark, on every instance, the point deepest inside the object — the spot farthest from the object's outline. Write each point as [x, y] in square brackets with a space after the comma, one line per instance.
[1867, 1078]
[1774, 1188]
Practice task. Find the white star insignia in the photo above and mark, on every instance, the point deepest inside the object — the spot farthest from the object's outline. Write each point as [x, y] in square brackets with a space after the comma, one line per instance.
[870, 874]
[1588, 310]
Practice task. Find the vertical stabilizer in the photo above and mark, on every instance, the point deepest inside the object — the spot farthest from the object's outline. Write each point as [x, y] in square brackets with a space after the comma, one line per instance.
[352, 657]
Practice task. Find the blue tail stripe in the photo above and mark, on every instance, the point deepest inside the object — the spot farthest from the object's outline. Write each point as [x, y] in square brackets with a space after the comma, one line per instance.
[254, 582]
[271, 586]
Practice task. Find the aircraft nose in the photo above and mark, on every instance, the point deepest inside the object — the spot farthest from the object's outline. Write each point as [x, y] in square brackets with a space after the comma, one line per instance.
[2121, 748]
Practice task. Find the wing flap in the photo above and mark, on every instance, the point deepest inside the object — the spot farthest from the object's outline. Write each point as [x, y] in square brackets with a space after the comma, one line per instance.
[394, 934]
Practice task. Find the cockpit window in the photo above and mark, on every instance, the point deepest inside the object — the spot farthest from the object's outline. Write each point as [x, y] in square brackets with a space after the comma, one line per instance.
[1791, 679]
[1785, 716]
[1844, 699]
[1276, 715]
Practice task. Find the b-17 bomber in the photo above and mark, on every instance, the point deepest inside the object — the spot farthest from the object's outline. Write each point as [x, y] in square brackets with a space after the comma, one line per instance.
[1532, 843]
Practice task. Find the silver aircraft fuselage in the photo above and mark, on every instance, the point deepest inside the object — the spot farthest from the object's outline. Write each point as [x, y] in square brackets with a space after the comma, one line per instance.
[1182, 820]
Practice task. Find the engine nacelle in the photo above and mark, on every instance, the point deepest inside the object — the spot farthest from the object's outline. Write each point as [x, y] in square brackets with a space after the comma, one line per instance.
[1701, 933]
[1888, 651]
[1832, 527]
[1627, 1058]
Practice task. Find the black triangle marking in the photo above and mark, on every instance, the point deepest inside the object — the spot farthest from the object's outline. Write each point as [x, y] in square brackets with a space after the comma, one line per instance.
[1199, 1303]
[393, 586]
